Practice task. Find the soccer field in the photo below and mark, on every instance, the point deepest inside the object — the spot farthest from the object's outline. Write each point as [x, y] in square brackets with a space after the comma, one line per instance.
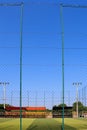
[43, 124]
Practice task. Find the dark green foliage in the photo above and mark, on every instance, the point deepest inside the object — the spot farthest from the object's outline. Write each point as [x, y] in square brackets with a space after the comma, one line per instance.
[80, 106]
[61, 105]
[1, 105]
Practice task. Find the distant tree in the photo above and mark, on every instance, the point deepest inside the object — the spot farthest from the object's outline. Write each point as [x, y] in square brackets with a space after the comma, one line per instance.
[55, 106]
[85, 108]
[80, 106]
[61, 105]
[1, 105]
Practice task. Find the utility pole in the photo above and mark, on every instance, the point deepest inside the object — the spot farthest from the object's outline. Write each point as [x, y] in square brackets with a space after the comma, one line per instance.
[77, 84]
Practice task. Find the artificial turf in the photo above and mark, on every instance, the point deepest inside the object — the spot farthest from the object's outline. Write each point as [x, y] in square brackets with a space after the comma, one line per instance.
[43, 124]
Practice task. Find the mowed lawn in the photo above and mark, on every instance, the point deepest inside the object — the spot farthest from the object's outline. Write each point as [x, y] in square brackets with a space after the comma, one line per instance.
[43, 124]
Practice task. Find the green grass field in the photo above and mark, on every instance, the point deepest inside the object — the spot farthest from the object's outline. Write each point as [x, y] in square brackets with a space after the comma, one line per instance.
[43, 124]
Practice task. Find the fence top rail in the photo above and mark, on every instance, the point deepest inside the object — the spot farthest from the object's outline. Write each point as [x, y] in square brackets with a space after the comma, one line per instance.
[11, 4]
[73, 5]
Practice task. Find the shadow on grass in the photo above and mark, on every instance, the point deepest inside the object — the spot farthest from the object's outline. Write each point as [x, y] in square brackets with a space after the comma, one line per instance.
[32, 127]
[47, 124]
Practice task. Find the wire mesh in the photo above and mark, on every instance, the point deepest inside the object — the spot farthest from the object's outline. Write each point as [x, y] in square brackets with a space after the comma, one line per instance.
[42, 54]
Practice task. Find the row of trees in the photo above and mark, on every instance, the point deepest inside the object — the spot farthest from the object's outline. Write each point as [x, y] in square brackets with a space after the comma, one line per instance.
[1, 105]
[81, 107]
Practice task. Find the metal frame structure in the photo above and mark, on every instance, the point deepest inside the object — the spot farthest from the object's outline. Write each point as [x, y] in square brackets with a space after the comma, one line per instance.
[21, 28]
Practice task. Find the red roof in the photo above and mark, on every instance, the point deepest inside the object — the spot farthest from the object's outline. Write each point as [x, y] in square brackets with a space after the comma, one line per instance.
[35, 108]
[9, 108]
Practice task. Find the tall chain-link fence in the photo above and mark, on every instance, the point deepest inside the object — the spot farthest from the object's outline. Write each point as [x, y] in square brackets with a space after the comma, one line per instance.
[43, 98]
[31, 57]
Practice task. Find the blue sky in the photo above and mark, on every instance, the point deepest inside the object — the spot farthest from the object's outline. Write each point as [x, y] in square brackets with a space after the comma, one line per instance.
[42, 57]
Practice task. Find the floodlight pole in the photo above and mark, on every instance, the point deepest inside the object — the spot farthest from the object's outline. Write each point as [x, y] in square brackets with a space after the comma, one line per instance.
[11, 97]
[77, 84]
[44, 98]
[4, 95]
[62, 27]
[28, 97]
[52, 98]
[85, 95]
